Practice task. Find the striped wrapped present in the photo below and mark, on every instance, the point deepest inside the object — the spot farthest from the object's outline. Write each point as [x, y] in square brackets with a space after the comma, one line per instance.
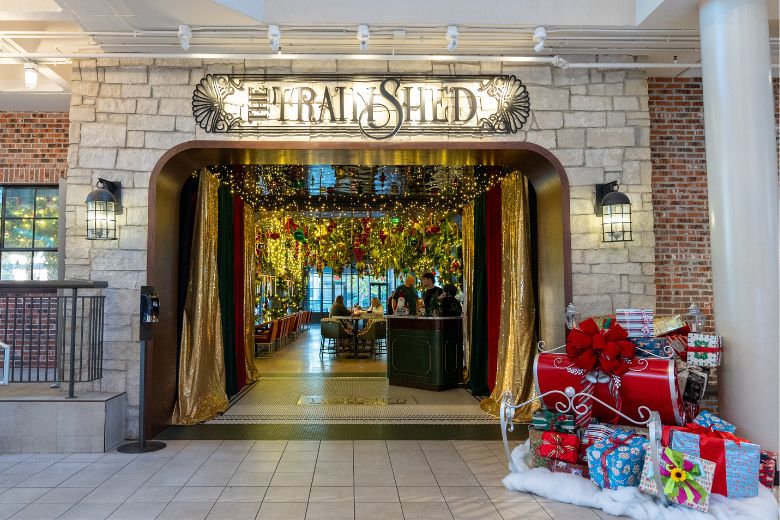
[637, 322]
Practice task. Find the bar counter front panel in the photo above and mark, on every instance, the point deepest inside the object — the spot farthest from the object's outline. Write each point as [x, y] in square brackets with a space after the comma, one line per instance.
[425, 353]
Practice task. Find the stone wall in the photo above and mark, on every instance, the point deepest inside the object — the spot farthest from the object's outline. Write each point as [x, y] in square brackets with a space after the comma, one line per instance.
[125, 114]
[33, 147]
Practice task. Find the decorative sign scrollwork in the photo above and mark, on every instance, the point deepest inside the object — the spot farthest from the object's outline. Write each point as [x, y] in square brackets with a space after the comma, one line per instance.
[375, 107]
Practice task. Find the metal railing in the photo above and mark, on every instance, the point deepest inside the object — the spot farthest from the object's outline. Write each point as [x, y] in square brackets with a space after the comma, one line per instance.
[54, 334]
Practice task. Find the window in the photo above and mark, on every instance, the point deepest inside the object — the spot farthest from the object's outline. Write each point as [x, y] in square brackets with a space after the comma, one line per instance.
[323, 289]
[28, 238]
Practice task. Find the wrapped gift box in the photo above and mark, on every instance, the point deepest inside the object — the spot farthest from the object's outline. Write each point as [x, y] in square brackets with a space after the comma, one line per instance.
[649, 347]
[560, 466]
[704, 350]
[560, 446]
[737, 460]
[695, 384]
[546, 420]
[535, 438]
[710, 420]
[593, 432]
[651, 382]
[637, 322]
[687, 480]
[663, 325]
[617, 461]
[766, 471]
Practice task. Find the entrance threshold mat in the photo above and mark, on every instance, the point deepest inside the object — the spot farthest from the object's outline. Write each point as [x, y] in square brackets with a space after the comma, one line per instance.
[353, 399]
[326, 432]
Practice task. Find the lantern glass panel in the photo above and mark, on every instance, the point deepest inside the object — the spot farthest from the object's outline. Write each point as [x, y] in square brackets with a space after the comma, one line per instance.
[616, 223]
[101, 220]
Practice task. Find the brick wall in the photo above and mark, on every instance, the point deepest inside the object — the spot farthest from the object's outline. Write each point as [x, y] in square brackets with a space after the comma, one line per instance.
[33, 147]
[679, 181]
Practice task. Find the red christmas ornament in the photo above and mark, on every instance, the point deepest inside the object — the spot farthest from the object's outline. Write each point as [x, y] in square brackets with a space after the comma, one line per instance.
[273, 235]
[455, 265]
[382, 236]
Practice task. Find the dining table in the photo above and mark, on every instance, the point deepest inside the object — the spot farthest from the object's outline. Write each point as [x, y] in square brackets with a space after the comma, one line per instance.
[357, 319]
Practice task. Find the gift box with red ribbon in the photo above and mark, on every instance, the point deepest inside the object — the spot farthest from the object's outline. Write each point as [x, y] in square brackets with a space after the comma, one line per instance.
[704, 350]
[560, 446]
[737, 460]
[560, 466]
[603, 364]
[595, 431]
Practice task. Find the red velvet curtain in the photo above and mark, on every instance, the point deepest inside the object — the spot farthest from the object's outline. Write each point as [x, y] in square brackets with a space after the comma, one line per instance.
[238, 290]
[493, 263]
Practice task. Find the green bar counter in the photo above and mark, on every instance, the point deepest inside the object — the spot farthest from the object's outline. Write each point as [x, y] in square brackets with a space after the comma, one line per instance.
[425, 353]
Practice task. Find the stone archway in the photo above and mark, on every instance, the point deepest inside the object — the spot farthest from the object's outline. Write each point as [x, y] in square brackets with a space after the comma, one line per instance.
[541, 167]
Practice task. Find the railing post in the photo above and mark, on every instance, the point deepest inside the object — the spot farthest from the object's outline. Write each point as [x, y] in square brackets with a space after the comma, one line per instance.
[72, 380]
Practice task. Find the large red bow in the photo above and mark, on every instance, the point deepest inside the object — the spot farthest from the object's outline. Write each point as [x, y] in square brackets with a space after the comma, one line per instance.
[589, 348]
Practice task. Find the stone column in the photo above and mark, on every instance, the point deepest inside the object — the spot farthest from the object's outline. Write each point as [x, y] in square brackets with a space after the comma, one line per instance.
[743, 204]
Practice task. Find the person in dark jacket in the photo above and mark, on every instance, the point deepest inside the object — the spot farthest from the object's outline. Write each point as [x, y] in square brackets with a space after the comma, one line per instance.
[339, 309]
[450, 306]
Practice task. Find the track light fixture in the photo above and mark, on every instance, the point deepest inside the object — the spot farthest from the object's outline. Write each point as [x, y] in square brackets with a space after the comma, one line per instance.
[540, 35]
[185, 35]
[274, 38]
[30, 75]
[363, 35]
[452, 37]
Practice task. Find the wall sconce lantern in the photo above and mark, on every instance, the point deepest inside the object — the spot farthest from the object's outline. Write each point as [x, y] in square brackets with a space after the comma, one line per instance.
[695, 318]
[614, 208]
[103, 204]
[570, 316]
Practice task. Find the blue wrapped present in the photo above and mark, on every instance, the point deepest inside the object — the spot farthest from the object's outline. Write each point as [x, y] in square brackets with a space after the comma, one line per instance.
[651, 346]
[617, 461]
[710, 420]
[737, 460]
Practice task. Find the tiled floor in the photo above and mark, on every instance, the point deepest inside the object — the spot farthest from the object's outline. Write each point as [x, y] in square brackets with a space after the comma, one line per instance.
[285, 480]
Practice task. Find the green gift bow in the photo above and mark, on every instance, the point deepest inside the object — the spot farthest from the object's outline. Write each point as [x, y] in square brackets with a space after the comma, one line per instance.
[547, 420]
[700, 355]
[673, 461]
[701, 343]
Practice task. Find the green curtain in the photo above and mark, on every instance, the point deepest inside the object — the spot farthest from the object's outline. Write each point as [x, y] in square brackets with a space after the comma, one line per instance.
[226, 289]
[478, 383]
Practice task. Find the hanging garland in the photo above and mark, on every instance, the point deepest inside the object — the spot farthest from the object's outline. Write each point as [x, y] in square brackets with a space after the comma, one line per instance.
[286, 245]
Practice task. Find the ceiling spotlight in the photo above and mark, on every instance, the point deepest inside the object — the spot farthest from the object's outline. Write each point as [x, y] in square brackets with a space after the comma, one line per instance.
[540, 35]
[452, 37]
[30, 75]
[275, 37]
[363, 35]
[185, 35]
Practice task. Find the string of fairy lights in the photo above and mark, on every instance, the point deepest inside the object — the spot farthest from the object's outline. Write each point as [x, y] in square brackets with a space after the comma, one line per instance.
[405, 189]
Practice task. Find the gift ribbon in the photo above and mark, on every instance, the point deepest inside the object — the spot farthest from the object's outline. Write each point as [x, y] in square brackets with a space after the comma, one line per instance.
[616, 443]
[647, 320]
[676, 473]
[558, 449]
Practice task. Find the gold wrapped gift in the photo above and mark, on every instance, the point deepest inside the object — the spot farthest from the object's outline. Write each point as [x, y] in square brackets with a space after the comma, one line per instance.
[666, 324]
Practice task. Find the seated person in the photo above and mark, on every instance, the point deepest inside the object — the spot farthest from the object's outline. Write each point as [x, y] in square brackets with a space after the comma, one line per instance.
[450, 306]
[376, 307]
[339, 309]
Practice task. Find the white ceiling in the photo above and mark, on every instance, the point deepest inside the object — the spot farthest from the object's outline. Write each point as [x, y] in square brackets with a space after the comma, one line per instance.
[658, 30]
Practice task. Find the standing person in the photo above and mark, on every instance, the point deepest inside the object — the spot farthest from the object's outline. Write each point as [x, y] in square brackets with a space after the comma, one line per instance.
[408, 293]
[450, 306]
[432, 292]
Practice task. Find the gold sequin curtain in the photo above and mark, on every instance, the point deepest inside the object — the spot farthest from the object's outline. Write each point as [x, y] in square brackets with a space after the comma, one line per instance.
[467, 230]
[249, 294]
[201, 388]
[518, 309]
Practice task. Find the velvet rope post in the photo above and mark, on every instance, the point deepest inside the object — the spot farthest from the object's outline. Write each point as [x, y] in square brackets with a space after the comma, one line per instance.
[201, 386]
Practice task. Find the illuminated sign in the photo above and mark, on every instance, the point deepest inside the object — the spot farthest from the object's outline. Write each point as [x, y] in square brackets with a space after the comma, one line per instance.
[377, 107]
